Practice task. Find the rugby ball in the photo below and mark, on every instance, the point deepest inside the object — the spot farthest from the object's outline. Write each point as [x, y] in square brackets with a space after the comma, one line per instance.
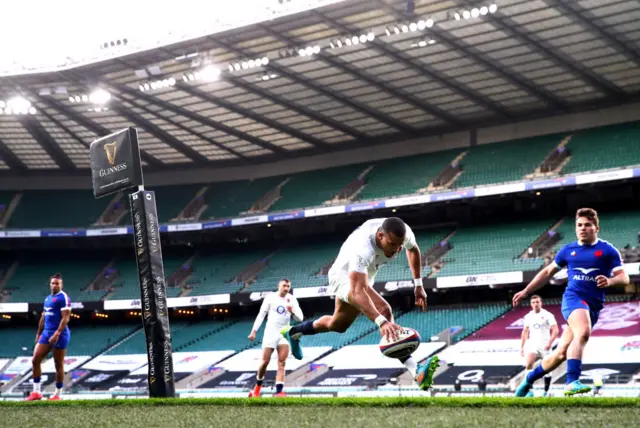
[407, 342]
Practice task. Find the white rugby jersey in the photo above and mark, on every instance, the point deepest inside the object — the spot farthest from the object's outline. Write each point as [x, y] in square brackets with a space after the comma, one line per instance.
[276, 308]
[539, 326]
[359, 253]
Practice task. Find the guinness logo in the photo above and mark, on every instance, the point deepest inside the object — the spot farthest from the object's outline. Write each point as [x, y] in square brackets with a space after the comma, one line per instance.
[111, 149]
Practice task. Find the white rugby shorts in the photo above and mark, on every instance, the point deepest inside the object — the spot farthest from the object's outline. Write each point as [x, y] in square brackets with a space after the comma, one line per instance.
[538, 350]
[339, 285]
[272, 338]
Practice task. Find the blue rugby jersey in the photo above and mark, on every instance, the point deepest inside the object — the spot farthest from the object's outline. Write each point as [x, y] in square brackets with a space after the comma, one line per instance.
[53, 306]
[584, 263]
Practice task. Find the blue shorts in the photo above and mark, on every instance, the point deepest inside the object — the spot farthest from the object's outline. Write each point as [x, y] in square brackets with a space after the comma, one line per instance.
[571, 302]
[63, 340]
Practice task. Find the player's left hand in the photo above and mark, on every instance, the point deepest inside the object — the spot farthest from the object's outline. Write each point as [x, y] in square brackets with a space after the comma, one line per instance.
[602, 281]
[547, 347]
[421, 298]
[54, 338]
[289, 308]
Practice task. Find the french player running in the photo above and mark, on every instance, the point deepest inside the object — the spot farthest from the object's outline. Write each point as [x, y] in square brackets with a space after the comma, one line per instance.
[592, 265]
[351, 277]
[53, 333]
[539, 332]
[278, 307]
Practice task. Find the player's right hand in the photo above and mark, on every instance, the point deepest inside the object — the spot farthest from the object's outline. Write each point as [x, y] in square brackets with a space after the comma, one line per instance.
[522, 352]
[252, 336]
[389, 330]
[519, 297]
[37, 338]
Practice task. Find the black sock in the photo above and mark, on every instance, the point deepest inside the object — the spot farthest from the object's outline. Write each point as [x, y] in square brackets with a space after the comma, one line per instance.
[402, 360]
[259, 381]
[547, 383]
[305, 329]
[279, 386]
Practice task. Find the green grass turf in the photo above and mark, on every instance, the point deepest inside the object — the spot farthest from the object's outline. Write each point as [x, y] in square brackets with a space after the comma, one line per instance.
[325, 412]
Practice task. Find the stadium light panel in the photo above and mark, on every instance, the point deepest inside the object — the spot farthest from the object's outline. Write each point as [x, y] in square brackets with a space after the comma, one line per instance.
[363, 38]
[18, 104]
[413, 27]
[210, 73]
[493, 8]
[386, 30]
[355, 40]
[371, 36]
[100, 97]
[422, 24]
[265, 60]
[475, 12]
[484, 10]
[405, 29]
[2, 104]
[466, 14]
[429, 23]
[456, 16]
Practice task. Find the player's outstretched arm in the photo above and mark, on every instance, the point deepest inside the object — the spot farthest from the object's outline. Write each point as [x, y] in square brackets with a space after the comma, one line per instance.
[537, 282]
[362, 300]
[415, 264]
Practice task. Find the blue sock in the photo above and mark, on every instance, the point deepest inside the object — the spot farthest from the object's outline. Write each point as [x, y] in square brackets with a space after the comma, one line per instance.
[537, 373]
[36, 380]
[305, 329]
[574, 368]
[279, 387]
[59, 385]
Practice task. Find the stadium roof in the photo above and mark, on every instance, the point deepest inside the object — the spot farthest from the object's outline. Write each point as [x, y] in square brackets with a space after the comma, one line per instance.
[354, 74]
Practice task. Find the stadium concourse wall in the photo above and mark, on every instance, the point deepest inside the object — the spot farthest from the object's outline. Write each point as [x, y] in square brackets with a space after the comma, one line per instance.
[491, 280]
[494, 134]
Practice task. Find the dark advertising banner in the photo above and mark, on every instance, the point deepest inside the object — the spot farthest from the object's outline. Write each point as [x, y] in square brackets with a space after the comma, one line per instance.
[153, 297]
[474, 374]
[355, 377]
[115, 162]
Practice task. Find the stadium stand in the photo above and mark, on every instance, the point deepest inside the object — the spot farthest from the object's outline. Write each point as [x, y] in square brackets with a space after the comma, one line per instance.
[435, 320]
[491, 249]
[503, 162]
[313, 188]
[171, 200]
[63, 208]
[216, 273]
[403, 176]
[216, 336]
[30, 282]
[300, 264]
[604, 148]
[231, 199]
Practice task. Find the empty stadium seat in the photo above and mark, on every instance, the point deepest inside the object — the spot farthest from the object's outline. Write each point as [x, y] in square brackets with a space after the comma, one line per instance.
[503, 162]
[171, 200]
[216, 336]
[30, 282]
[404, 176]
[230, 199]
[57, 209]
[435, 320]
[492, 249]
[604, 148]
[313, 188]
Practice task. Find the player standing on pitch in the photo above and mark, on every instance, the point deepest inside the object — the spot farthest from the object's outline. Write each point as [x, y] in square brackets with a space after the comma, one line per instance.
[592, 265]
[53, 333]
[278, 307]
[351, 277]
[539, 332]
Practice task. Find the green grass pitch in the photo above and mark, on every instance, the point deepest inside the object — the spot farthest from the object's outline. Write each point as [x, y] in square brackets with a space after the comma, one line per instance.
[325, 412]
